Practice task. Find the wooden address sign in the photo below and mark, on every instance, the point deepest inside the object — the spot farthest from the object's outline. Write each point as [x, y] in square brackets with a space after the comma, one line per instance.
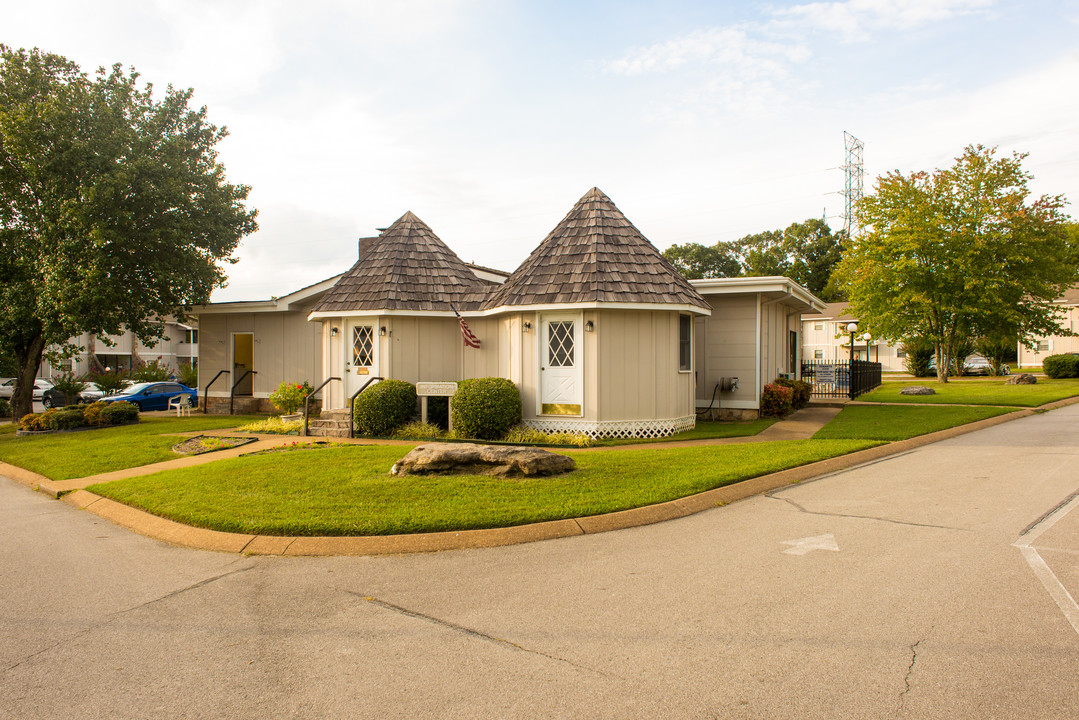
[441, 389]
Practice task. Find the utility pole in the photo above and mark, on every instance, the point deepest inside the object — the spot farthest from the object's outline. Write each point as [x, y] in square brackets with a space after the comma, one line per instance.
[855, 174]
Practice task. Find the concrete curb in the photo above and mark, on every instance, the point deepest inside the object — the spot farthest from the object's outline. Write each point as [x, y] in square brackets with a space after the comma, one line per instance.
[176, 533]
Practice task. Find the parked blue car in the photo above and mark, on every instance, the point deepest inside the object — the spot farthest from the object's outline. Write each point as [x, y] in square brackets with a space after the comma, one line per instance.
[156, 395]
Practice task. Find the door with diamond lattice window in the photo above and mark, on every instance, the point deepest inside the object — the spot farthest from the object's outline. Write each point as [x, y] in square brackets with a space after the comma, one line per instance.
[361, 354]
[561, 385]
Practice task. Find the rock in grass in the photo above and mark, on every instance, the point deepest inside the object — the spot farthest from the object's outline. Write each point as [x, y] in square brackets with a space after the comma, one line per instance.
[917, 390]
[1024, 379]
[469, 459]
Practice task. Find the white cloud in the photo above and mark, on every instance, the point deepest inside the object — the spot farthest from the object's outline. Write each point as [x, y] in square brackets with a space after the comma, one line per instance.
[732, 48]
[855, 19]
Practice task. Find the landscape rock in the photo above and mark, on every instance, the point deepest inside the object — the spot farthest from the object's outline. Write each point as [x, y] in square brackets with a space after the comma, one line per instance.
[917, 390]
[469, 459]
[1024, 379]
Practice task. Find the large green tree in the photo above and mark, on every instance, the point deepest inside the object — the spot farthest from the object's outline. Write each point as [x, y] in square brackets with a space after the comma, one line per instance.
[696, 261]
[960, 253]
[114, 209]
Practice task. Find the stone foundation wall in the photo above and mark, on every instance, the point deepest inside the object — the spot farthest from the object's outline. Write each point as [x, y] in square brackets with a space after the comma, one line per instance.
[729, 414]
[251, 406]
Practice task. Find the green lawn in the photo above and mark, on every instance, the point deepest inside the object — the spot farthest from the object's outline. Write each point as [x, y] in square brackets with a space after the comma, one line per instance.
[349, 491]
[63, 456]
[890, 422]
[978, 392]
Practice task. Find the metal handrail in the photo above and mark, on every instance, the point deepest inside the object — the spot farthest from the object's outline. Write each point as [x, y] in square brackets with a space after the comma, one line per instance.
[307, 401]
[232, 393]
[352, 401]
[206, 391]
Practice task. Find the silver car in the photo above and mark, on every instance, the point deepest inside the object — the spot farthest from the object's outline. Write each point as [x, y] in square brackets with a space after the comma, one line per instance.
[40, 386]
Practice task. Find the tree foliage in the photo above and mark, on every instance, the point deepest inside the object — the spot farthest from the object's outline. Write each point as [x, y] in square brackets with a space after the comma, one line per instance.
[807, 252]
[960, 253]
[114, 210]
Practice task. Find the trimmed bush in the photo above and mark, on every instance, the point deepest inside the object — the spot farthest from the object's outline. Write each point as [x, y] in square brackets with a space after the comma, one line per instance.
[485, 408]
[919, 352]
[118, 413]
[801, 390]
[92, 413]
[776, 400]
[1061, 366]
[67, 419]
[37, 422]
[384, 407]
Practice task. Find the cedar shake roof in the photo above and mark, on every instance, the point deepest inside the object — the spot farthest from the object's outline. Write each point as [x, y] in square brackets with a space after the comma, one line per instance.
[595, 255]
[406, 268]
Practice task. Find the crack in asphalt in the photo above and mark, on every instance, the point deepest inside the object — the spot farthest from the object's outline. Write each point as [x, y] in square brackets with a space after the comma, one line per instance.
[108, 618]
[864, 517]
[470, 632]
[906, 679]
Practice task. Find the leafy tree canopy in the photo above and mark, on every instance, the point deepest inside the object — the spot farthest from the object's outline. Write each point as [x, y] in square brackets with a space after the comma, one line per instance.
[960, 253]
[114, 210]
[807, 252]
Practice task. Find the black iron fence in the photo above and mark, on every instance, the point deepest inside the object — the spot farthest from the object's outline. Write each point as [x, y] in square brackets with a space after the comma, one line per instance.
[837, 380]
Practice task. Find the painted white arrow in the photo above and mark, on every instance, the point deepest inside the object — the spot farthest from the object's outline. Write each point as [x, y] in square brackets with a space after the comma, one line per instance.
[809, 544]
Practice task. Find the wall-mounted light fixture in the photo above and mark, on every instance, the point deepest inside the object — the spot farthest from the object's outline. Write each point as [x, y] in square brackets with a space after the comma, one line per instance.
[589, 326]
[333, 332]
[382, 331]
[527, 326]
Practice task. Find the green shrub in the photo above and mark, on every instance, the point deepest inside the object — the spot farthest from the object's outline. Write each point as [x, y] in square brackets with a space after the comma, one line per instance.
[485, 408]
[289, 396]
[1061, 366]
[37, 422]
[802, 391]
[919, 352]
[776, 400]
[526, 435]
[67, 419]
[92, 413]
[419, 430]
[118, 413]
[383, 407]
[188, 375]
[5, 408]
[152, 371]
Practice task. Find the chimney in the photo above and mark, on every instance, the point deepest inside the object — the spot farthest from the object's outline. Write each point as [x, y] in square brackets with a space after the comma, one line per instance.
[365, 245]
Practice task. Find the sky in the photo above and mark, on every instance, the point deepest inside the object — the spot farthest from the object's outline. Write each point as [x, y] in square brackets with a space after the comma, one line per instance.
[703, 121]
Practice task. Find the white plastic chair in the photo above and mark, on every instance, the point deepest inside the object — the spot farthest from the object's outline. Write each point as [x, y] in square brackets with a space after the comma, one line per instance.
[182, 404]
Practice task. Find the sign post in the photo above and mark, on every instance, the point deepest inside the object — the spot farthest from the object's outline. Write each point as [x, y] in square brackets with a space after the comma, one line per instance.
[435, 389]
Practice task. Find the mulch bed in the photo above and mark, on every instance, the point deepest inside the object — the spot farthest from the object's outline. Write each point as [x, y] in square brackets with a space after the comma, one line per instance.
[202, 444]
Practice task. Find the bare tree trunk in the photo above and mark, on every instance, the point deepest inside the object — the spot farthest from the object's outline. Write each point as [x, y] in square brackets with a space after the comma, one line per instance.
[28, 360]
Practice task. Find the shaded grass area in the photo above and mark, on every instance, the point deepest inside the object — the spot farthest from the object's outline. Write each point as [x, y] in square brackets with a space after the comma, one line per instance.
[978, 392]
[65, 456]
[349, 491]
[890, 422]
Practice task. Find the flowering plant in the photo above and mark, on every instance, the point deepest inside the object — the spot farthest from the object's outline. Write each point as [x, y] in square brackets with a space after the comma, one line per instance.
[289, 396]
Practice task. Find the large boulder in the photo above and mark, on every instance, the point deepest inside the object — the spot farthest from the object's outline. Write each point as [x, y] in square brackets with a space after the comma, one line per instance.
[917, 390]
[1024, 379]
[469, 459]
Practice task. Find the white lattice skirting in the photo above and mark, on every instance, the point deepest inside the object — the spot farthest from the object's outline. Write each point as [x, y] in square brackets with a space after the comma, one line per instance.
[615, 428]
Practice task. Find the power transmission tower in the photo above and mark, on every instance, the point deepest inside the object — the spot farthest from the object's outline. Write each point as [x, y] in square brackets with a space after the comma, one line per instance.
[855, 172]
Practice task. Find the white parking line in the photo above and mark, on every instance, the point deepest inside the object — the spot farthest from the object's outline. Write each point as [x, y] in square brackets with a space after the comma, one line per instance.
[1052, 584]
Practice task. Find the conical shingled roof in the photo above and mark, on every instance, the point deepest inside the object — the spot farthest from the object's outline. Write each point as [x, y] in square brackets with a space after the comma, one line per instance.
[406, 268]
[595, 255]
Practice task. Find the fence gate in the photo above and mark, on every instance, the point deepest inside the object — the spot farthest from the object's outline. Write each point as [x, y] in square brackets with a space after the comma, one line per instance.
[835, 380]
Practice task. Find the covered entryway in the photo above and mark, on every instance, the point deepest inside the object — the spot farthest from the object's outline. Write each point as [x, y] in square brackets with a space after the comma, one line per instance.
[561, 372]
[243, 359]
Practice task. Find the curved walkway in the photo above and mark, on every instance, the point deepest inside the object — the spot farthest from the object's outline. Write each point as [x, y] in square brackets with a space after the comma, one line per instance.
[800, 425]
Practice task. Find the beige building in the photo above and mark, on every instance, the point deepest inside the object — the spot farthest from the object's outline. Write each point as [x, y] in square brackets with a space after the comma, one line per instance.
[825, 340]
[1055, 344]
[178, 347]
[598, 331]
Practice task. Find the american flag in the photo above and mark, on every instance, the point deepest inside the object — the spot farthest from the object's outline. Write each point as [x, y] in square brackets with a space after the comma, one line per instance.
[470, 339]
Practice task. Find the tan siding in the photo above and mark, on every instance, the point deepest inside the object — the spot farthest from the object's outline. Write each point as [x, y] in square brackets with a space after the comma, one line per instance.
[730, 348]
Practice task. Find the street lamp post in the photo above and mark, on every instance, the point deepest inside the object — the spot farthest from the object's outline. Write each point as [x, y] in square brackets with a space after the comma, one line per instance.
[851, 328]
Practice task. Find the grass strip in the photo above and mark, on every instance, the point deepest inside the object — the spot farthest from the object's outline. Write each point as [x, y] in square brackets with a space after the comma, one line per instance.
[65, 456]
[890, 422]
[349, 491]
[978, 392]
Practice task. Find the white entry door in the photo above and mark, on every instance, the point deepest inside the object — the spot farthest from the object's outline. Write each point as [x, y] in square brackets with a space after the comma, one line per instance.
[361, 354]
[561, 374]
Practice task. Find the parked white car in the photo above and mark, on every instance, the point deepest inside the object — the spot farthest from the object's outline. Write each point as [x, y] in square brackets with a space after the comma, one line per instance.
[40, 385]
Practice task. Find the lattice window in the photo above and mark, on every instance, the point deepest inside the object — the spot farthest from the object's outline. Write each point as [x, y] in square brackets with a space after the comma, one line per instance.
[363, 346]
[560, 343]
